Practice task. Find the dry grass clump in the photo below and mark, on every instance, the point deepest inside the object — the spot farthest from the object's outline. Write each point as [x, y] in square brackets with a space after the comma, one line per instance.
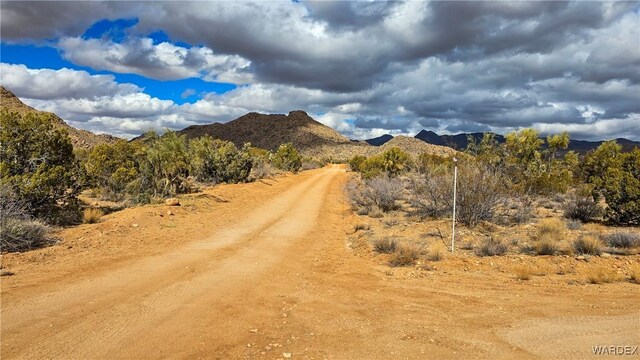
[625, 240]
[437, 251]
[545, 247]
[405, 255]
[549, 233]
[385, 245]
[587, 245]
[491, 247]
[361, 226]
[523, 272]
[602, 275]
[551, 229]
[92, 215]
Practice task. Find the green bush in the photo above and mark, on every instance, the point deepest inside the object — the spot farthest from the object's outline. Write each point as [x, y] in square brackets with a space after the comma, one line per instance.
[394, 161]
[112, 167]
[287, 158]
[37, 164]
[615, 176]
[219, 161]
[357, 162]
[164, 168]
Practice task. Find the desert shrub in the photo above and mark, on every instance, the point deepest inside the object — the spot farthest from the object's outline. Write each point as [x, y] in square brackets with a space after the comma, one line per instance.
[287, 158]
[537, 169]
[385, 245]
[432, 164]
[111, 167]
[481, 194]
[383, 192]
[545, 247]
[518, 209]
[491, 247]
[405, 255]
[394, 161]
[355, 193]
[219, 161]
[356, 163]
[587, 245]
[92, 215]
[372, 167]
[581, 208]
[20, 234]
[625, 240]
[615, 176]
[37, 164]
[164, 168]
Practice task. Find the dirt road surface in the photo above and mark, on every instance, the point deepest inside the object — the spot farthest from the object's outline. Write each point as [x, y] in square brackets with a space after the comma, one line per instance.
[263, 271]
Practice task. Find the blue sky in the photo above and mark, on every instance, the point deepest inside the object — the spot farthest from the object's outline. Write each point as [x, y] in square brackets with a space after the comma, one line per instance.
[363, 68]
[47, 56]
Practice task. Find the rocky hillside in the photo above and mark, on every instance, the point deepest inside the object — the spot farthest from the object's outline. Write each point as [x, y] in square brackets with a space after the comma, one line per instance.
[81, 139]
[269, 131]
[416, 146]
[308, 135]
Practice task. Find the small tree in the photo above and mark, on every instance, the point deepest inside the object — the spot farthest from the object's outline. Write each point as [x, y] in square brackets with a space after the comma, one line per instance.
[37, 163]
[394, 161]
[112, 167]
[287, 158]
[164, 167]
[219, 161]
[615, 176]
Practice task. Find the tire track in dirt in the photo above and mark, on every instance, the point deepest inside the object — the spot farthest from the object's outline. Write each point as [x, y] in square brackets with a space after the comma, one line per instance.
[89, 319]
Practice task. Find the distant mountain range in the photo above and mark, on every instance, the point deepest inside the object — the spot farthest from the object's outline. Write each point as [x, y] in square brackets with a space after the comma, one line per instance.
[460, 141]
[312, 138]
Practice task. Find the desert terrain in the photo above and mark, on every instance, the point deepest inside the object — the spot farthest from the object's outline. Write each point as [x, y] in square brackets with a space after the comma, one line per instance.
[274, 269]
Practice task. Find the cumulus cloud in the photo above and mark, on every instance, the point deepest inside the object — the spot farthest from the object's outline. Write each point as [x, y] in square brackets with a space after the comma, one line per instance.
[63, 83]
[164, 61]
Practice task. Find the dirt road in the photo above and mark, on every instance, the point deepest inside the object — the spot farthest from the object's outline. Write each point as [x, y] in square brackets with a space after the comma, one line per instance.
[263, 271]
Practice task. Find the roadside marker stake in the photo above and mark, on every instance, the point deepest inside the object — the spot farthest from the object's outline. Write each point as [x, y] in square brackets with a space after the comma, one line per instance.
[455, 183]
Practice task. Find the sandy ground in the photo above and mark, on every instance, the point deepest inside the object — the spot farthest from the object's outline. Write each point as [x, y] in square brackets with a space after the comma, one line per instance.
[268, 270]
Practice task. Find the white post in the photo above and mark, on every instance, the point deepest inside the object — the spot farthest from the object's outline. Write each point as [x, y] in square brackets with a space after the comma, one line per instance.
[455, 183]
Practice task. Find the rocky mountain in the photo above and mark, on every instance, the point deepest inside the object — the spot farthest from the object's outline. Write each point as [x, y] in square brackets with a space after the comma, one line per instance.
[81, 139]
[380, 140]
[309, 136]
[268, 131]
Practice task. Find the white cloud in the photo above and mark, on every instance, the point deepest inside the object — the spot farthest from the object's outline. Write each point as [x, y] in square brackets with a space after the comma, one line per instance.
[164, 61]
[63, 83]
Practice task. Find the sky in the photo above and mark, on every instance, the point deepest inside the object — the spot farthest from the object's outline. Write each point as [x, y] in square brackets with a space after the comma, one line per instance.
[365, 68]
